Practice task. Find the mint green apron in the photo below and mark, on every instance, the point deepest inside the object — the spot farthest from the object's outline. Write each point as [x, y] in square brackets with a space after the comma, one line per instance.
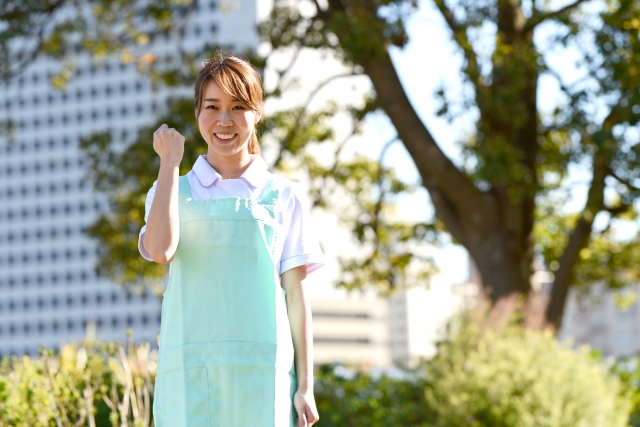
[226, 354]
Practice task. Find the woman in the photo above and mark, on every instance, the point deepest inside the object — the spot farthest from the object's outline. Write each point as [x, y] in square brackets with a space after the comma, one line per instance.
[235, 337]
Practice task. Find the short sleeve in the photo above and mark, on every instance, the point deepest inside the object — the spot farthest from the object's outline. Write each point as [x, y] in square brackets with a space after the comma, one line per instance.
[147, 208]
[301, 244]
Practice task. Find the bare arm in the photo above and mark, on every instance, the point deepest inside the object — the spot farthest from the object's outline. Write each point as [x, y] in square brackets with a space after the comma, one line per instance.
[299, 311]
[163, 226]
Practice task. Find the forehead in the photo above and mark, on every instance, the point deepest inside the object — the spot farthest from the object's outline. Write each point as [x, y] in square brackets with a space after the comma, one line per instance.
[212, 90]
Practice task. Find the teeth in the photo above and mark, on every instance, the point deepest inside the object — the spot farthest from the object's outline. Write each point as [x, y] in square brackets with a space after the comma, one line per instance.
[225, 135]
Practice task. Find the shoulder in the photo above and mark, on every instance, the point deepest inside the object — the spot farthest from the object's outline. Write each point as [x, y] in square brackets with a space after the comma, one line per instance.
[289, 190]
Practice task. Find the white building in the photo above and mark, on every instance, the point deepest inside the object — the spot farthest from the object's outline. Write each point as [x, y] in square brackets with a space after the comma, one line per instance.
[48, 291]
[594, 318]
[352, 330]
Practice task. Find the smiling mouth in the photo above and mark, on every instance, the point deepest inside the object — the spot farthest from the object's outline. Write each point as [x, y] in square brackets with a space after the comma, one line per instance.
[224, 136]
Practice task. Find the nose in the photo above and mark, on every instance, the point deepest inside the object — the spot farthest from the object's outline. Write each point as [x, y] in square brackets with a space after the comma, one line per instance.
[224, 119]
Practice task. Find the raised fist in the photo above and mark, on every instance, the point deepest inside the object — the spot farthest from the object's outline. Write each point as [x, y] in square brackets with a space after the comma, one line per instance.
[168, 143]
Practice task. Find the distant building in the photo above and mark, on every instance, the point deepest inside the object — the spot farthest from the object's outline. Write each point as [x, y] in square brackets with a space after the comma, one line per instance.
[48, 291]
[594, 318]
[352, 330]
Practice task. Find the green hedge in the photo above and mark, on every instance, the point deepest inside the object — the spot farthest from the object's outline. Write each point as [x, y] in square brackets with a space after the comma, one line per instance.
[524, 378]
[513, 377]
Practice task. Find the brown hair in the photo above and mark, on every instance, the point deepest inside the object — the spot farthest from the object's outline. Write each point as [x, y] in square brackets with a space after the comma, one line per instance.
[238, 79]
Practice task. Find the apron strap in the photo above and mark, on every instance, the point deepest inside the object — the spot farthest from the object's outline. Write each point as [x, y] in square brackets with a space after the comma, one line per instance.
[184, 189]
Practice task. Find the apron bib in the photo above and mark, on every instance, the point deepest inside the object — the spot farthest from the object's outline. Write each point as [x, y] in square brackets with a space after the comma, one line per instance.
[226, 354]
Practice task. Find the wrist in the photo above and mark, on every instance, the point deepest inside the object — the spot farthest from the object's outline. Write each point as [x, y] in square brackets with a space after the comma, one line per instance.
[170, 162]
[305, 387]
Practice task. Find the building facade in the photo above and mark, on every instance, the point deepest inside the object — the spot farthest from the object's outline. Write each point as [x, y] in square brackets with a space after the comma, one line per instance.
[593, 317]
[49, 293]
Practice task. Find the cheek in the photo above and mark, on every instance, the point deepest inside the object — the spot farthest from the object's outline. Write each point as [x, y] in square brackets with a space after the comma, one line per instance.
[204, 119]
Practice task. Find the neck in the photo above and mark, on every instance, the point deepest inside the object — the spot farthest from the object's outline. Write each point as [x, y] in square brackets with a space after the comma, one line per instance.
[232, 166]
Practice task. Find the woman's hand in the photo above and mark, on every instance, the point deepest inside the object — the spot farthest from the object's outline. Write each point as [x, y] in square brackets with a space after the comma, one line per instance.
[168, 143]
[305, 406]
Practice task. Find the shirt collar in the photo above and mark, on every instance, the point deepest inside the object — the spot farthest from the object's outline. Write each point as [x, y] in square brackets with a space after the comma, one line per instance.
[255, 174]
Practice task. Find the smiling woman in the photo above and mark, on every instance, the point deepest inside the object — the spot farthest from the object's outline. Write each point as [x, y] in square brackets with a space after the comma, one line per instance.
[232, 83]
[235, 337]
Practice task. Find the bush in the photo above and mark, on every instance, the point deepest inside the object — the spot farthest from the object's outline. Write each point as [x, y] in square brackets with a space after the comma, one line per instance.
[88, 384]
[511, 376]
[361, 400]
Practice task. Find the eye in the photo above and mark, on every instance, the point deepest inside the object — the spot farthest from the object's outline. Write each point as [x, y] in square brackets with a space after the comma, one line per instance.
[213, 107]
[240, 107]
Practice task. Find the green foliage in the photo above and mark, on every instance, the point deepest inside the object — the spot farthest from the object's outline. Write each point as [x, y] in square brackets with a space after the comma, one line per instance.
[61, 29]
[628, 370]
[511, 376]
[361, 400]
[91, 383]
[479, 377]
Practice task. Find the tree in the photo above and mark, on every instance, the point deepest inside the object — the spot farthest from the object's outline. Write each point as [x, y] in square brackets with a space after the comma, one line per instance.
[500, 204]
[59, 29]
[503, 203]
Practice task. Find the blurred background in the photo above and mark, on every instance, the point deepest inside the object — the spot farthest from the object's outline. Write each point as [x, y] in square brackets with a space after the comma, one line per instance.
[459, 156]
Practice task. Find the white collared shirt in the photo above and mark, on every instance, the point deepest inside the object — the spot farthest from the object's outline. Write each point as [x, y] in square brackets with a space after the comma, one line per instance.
[300, 246]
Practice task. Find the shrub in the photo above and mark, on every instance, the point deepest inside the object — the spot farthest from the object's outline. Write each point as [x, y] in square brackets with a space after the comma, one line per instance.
[511, 376]
[86, 384]
[363, 400]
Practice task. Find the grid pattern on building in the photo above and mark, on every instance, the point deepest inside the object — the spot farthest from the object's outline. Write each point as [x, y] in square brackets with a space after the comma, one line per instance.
[48, 289]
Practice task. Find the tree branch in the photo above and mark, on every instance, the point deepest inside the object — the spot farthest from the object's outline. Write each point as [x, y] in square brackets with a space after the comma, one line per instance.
[578, 239]
[433, 165]
[539, 17]
[460, 36]
[624, 181]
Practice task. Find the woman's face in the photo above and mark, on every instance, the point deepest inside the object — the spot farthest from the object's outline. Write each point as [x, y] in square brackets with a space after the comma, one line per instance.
[226, 124]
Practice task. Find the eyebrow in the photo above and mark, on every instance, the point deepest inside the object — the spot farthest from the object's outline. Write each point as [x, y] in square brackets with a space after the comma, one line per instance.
[217, 100]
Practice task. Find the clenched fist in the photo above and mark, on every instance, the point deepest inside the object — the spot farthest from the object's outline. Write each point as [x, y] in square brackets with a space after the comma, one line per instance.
[168, 143]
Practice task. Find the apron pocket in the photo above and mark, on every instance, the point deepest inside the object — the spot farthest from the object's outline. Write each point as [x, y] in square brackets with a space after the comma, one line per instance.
[236, 396]
[184, 398]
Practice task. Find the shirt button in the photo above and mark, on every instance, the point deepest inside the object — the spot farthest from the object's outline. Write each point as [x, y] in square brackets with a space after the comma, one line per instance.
[238, 186]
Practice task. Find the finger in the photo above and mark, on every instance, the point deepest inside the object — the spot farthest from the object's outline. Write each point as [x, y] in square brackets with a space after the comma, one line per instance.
[304, 420]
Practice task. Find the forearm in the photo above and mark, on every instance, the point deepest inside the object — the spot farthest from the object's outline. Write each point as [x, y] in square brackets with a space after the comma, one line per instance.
[299, 311]
[163, 226]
